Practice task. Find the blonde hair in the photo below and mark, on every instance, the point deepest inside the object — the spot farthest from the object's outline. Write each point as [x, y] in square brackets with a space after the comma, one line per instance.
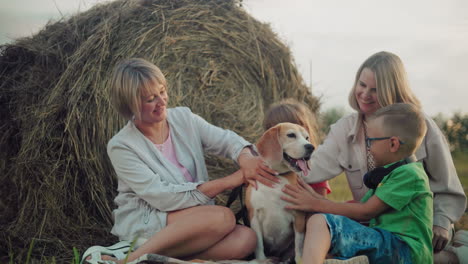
[404, 121]
[292, 111]
[130, 80]
[391, 80]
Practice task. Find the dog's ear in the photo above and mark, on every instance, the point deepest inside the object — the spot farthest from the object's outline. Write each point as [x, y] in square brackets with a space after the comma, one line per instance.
[269, 147]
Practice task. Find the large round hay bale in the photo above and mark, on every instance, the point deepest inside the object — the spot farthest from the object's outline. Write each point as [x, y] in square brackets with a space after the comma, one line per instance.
[56, 118]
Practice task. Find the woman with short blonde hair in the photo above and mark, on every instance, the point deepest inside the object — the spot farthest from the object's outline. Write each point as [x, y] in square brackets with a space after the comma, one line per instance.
[125, 77]
[165, 199]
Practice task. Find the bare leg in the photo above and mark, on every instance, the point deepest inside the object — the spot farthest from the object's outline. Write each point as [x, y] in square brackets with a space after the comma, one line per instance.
[317, 240]
[207, 232]
[189, 231]
[238, 244]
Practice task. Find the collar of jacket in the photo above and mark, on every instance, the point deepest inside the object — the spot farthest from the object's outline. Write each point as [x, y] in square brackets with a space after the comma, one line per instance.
[357, 119]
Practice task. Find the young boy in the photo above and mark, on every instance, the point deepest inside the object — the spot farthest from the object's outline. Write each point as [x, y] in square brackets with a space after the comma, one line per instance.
[398, 204]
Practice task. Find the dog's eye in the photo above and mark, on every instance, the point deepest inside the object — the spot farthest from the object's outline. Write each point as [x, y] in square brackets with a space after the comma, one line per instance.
[291, 135]
[307, 138]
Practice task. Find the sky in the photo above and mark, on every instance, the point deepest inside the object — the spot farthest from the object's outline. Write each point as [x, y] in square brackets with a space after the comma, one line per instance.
[330, 39]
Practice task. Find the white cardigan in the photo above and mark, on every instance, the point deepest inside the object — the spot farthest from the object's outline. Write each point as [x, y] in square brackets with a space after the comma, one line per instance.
[149, 185]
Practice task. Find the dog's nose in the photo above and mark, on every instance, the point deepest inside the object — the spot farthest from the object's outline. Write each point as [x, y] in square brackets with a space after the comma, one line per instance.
[309, 148]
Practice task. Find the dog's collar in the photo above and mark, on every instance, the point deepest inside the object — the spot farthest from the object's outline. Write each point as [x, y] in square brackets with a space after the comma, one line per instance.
[284, 173]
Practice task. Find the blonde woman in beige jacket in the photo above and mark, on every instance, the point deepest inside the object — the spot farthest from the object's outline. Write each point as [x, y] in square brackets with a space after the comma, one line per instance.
[381, 81]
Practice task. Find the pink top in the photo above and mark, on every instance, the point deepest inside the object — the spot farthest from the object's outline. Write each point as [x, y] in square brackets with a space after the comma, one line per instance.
[168, 151]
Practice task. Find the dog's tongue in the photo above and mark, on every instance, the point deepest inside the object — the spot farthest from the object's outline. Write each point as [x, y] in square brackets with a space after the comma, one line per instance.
[303, 165]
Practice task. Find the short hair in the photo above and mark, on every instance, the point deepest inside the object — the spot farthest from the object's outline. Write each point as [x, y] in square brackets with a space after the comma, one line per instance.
[131, 79]
[292, 111]
[391, 81]
[404, 121]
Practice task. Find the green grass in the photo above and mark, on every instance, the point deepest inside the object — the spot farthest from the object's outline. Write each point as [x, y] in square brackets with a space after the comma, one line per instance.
[340, 189]
[31, 246]
[461, 164]
[76, 256]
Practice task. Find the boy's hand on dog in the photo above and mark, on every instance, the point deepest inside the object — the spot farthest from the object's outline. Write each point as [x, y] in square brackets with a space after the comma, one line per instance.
[255, 169]
[306, 186]
[440, 238]
[301, 196]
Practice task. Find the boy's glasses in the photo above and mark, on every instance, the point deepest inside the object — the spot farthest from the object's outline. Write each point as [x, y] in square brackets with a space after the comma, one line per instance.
[370, 140]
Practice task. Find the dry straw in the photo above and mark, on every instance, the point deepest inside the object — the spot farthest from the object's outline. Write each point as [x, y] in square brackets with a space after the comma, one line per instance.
[57, 184]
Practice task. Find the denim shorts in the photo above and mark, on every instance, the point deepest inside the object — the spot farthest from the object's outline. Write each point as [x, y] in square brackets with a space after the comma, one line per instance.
[349, 238]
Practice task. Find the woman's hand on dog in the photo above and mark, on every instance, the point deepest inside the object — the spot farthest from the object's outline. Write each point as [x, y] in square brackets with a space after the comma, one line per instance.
[255, 169]
[301, 196]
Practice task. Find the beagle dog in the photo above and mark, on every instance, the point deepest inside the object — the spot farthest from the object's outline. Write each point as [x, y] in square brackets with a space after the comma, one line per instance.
[286, 149]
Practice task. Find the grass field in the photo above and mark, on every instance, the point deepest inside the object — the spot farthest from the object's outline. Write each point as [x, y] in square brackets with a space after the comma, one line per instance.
[341, 192]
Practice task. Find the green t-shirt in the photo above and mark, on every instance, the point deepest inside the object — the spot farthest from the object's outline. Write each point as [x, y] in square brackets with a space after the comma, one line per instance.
[406, 190]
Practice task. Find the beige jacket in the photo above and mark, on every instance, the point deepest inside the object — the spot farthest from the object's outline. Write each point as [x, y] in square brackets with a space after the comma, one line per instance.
[344, 150]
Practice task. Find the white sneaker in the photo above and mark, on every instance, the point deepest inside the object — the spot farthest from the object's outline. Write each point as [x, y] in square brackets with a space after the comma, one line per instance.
[118, 251]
